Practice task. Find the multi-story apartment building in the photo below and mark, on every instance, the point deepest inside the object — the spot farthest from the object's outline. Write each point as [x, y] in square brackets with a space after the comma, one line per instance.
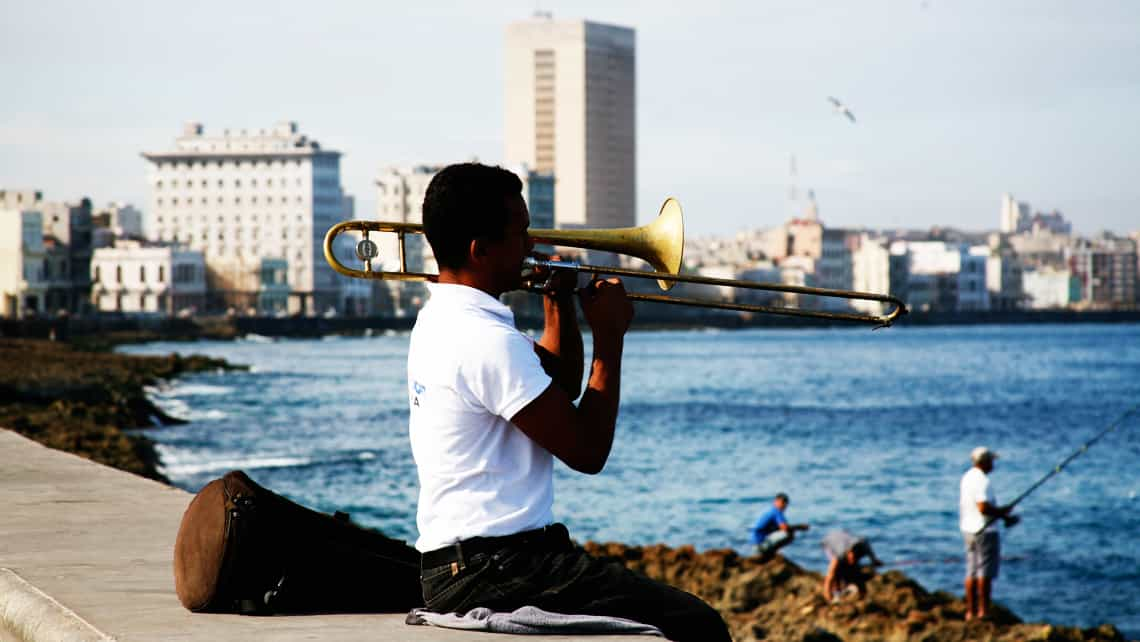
[23, 285]
[1014, 214]
[1003, 276]
[68, 242]
[135, 277]
[1050, 287]
[244, 197]
[877, 266]
[945, 276]
[66, 246]
[1106, 269]
[570, 112]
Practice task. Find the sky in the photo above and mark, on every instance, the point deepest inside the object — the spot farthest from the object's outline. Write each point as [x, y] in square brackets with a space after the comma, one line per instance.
[956, 102]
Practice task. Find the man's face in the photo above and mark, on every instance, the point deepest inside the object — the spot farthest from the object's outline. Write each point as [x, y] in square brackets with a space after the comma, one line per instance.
[986, 464]
[509, 252]
[781, 504]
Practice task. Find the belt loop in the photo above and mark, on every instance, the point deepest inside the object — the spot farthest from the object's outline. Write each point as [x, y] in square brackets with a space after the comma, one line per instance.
[459, 563]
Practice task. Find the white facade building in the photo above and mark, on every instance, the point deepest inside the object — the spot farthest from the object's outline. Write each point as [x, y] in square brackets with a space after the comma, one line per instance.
[882, 269]
[245, 196]
[1050, 288]
[1014, 214]
[134, 277]
[570, 112]
[23, 286]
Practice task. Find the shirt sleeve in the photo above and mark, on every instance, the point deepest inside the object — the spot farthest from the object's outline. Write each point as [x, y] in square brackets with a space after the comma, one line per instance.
[507, 374]
[780, 519]
[981, 490]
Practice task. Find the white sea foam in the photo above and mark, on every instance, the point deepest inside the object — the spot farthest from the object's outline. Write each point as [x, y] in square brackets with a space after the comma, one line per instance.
[178, 389]
[177, 464]
[180, 462]
[257, 338]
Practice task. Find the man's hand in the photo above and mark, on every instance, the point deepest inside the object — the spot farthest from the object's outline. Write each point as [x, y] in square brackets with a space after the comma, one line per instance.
[556, 283]
[1011, 520]
[607, 309]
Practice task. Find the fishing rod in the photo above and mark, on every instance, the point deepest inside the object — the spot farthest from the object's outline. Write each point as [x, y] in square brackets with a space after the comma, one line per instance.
[1061, 466]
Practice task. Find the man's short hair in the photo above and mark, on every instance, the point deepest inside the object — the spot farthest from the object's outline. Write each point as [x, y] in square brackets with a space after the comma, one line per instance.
[464, 202]
[782, 497]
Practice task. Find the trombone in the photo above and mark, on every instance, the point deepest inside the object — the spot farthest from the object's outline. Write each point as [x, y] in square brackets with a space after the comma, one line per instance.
[660, 244]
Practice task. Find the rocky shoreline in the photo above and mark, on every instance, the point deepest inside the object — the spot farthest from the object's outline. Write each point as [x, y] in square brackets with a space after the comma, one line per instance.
[91, 402]
[779, 600]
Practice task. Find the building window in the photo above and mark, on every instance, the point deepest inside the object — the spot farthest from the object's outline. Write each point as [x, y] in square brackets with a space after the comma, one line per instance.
[142, 274]
[161, 273]
[118, 274]
[97, 273]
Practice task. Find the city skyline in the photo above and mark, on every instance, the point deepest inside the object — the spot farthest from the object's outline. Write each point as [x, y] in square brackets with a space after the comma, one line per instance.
[955, 105]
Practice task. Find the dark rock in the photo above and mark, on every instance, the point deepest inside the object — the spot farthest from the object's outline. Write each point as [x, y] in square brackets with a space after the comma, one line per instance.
[778, 600]
[82, 401]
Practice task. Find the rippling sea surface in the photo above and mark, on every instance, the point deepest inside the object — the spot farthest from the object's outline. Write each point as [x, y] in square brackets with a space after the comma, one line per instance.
[867, 431]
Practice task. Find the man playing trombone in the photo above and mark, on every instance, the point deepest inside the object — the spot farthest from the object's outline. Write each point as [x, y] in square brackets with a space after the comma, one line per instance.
[490, 409]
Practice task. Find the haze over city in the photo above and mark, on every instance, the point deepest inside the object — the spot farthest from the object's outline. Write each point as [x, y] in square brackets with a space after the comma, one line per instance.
[955, 103]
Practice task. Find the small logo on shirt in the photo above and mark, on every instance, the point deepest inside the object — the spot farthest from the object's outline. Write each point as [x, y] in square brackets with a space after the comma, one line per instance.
[419, 390]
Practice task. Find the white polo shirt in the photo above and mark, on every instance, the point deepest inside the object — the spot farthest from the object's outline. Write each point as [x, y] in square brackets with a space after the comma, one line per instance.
[975, 487]
[469, 371]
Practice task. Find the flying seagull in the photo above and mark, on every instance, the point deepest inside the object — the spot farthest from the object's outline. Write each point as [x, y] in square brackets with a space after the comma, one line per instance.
[841, 108]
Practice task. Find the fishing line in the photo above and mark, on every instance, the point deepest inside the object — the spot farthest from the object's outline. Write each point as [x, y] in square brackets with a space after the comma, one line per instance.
[1061, 466]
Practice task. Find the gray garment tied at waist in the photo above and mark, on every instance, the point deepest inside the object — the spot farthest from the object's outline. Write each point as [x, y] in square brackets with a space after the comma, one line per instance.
[530, 620]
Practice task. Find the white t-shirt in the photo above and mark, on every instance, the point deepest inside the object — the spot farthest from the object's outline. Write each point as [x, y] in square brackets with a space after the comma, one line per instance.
[469, 371]
[975, 487]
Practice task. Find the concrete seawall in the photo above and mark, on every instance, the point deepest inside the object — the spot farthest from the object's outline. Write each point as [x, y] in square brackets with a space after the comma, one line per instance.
[85, 554]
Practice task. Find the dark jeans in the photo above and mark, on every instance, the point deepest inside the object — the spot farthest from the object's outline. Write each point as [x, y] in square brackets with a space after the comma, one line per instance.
[548, 571]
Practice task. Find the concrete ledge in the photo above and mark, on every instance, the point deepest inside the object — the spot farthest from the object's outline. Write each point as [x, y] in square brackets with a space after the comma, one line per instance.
[30, 614]
[86, 553]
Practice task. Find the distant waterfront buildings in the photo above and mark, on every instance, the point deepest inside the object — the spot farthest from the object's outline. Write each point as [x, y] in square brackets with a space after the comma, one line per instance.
[570, 112]
[1106, 269]
[60, 260]
[879, 267]
[132, 276]
[22, 282]
[249, 199]
[116, 220]
[1050, 287]
[1016, 218]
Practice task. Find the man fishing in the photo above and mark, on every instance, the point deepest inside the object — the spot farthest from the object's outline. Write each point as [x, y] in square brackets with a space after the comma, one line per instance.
[978, 508]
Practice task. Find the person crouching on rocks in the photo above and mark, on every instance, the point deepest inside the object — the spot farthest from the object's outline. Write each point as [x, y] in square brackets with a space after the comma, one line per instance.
[844, 574]
[772, 530]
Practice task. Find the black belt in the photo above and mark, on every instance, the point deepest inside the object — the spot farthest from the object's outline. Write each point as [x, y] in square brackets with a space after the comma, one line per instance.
[463, 550]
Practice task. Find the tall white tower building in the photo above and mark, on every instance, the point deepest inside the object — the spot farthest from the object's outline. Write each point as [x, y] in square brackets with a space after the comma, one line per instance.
[570, 111]
[247, 198]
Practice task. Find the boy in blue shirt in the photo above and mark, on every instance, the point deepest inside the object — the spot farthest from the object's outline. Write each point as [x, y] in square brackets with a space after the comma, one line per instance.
[772, 530]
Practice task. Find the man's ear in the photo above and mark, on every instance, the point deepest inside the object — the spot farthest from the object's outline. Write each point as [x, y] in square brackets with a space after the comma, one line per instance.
[477, 250]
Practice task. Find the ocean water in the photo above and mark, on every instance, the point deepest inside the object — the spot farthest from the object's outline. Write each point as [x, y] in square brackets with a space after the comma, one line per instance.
[867, 431]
